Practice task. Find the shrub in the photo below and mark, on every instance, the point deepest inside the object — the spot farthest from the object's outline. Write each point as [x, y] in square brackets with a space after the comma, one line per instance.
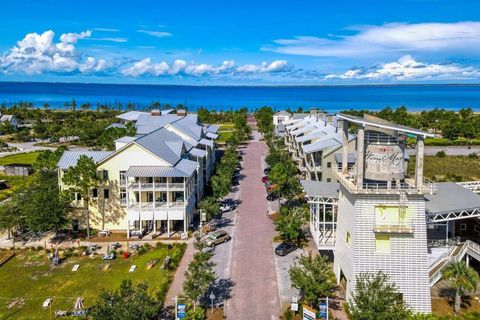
[441, 154]
[473, 155]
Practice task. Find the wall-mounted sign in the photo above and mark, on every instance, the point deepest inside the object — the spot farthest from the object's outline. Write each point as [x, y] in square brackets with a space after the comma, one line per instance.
[384, 162]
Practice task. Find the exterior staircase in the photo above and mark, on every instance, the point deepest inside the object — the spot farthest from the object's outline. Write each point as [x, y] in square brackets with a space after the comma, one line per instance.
[456, 253]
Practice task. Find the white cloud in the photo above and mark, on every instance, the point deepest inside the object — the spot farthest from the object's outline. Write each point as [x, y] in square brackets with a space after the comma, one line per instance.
[388, 39]
[38, 53]
[407, 68]
[158, 34]
[116, 39]
[106, 29]
[181, 67]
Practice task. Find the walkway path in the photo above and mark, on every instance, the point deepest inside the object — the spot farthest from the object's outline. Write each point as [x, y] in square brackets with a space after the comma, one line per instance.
[177, 285]
[255, 293]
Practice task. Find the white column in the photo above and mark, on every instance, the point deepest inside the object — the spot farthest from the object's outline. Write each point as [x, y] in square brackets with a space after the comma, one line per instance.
[128, 228]
[419, 163]
[360, 156]
[344, 147]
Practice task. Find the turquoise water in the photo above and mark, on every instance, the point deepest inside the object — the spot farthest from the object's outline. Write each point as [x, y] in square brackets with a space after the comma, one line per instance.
[331, 98]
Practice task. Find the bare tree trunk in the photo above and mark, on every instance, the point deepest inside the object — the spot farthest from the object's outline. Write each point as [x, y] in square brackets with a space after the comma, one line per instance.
[457, 302]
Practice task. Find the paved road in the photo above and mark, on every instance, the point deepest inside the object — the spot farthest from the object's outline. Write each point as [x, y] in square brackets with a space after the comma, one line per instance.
[255, 292]
[449, 150]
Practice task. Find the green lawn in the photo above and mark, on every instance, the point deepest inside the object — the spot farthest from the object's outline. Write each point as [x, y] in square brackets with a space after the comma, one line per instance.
[14, 183]
[27, 280]
[449, 168]
[27, 158]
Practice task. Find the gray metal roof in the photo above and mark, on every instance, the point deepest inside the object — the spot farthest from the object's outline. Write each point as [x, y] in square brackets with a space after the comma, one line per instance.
[206, 142]
[283, 113]
[70, 158]
[211, 135]
[451, 197]
[300, 115]
[125, 139]
[184, 168]
[320, 188]
[155, 142]
[310, 136]
[351, 158]
[199, 153]
[131, 115]
[384, 124]
[321, 145]
[212, 128]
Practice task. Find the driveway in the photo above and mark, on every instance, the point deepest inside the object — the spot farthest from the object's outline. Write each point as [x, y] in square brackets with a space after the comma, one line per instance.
[255, 291]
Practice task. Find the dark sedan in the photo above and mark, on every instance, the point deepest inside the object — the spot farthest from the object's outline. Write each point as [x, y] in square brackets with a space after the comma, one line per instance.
[285, 248]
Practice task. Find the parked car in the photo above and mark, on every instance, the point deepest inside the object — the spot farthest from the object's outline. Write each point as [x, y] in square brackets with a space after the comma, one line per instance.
[235, 182]
[217, 237]
[265, 179]
[240, 158]
[226, 206]
[285, 248]
[266, 171]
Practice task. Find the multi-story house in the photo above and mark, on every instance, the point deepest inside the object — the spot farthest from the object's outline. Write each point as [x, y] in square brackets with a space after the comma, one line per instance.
[151, 183]
[315, 143]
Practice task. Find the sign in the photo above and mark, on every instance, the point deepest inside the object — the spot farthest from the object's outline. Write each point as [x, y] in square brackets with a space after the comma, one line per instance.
[181, 311]
[309, 313]
[323, 309]
[384, 162]
[294, 304]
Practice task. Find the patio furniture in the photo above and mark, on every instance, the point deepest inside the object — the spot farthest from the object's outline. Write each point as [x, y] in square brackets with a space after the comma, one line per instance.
[104, 233]
[75, 267]
[151, 264]
[132, 268]
[109, 256]
[116, 245]
[106, 266]
[165, 263]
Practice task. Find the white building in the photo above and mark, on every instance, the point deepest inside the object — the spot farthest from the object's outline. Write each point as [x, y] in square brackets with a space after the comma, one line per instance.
[152, 182]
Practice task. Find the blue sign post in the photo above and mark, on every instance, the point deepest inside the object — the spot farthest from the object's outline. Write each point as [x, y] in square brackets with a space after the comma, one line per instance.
[181, 311]
[323, 309]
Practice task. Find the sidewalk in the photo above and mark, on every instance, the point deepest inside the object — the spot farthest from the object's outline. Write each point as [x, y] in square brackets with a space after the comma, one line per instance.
[176, 288]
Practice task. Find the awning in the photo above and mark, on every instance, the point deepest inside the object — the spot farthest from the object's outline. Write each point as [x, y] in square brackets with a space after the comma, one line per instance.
[206, 142]
[321, 145]
[184, 168]
[211, 135]
[320, 188]
[199, 153]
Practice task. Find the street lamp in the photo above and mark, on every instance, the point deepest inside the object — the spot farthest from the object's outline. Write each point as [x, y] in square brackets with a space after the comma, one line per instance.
[212, 297]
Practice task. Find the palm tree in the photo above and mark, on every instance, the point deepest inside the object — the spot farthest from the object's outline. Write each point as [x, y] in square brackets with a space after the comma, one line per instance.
[462, 279]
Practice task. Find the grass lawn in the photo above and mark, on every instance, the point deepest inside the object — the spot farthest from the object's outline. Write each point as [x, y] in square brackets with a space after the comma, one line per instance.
[27, 158]
[14, 183]
[449, 168]
[223, 136]
[443, 307]
[28, 279]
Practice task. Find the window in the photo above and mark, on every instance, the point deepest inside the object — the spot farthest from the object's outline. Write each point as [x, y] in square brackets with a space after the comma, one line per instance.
[123, 177]
[94, 192]
[329, 180]
[476, 228]
[349, 238]
[463, 226]
[78, 196]
[329, 164]
[382, 243]
[106, 193]
[391, 215]
[105, 174]
[123, 196]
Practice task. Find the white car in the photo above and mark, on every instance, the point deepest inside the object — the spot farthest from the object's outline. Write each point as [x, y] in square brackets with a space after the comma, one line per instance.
[225, 207]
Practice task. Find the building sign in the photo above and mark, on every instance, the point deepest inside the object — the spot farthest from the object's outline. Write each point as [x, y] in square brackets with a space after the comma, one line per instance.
[181, 311]
[294, 304]
[309, 313]
[384, 162]
[323, 309]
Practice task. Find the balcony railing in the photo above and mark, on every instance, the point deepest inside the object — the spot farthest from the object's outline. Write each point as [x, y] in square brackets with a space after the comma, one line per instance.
[407, 186]
[155, 185]
[157, 205]
[393, 227]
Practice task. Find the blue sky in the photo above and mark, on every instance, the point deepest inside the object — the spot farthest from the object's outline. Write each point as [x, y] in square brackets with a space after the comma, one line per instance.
[244, 42]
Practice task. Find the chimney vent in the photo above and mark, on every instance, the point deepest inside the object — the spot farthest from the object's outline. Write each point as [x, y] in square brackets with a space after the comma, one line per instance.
[155, 113]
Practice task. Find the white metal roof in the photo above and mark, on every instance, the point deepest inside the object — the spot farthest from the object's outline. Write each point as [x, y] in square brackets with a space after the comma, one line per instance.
[321, 145]
[70, 158]
[206, 142]
[211, 135]
[199, 153]
[184, 168]
[320, 188]
[380, 123]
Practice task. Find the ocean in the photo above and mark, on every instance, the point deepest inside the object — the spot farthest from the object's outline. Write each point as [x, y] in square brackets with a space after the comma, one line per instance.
[329, 98]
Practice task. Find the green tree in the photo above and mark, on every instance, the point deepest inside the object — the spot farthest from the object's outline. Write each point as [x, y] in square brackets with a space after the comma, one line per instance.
[289, 224]
[375, 298]
[129, 302]
[313, 276]
[81, 179]
[200, 275]
[462, 279]
[283, 177]
[210, 206]
[11, 215]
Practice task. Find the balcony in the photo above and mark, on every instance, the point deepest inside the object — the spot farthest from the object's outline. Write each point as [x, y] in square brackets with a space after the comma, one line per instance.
[393, 227]
[406, 186]
[157, 205]
[148, 186]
